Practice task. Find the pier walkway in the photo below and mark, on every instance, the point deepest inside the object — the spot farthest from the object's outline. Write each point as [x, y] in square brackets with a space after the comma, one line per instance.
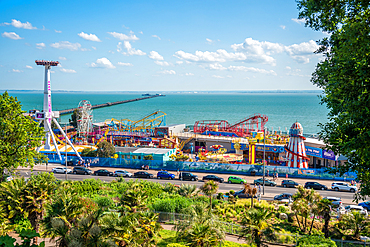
[68, 111]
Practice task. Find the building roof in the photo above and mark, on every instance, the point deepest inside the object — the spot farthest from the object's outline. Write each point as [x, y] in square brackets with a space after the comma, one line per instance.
[314, 141]
[139, 150]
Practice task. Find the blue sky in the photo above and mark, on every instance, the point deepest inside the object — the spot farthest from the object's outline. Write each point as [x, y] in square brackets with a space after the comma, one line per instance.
[156, 45]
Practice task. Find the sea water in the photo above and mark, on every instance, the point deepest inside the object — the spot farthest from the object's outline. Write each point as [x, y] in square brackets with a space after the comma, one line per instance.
[282, 109]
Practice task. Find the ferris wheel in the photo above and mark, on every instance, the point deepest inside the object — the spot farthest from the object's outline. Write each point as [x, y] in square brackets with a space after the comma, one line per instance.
[84, 119]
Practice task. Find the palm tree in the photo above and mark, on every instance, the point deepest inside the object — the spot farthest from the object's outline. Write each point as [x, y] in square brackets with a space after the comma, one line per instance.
[134, 199]
[209, 188]
[324, 208]
[11, 198]
[256, 226]
[187, 190]
[61, 215]
[250, 191]
[37, 193]
[202, 228]
[352, 225]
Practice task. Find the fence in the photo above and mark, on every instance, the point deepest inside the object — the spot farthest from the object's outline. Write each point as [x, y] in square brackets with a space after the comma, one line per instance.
[235, 229]
[246, 170]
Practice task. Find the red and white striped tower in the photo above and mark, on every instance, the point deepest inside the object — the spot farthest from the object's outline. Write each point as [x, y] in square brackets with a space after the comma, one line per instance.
[296, 151]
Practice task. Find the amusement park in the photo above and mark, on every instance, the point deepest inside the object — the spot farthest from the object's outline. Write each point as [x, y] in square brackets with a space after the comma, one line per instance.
[243, 146]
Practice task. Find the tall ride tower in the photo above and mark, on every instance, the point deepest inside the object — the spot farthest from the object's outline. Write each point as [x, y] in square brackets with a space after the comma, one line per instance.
[296, 151]
[48, 115]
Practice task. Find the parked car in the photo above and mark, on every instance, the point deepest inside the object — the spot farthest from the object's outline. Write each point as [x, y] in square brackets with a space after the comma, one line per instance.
[289, 183]
[268, 182]
[188, 176]
[236, 180]
[122, 173]
[284, 197]
[315, 186]
[365, 205]
[214, 178]
[335, 201]
[143, 175]
[343, 187]
[351, 208]
[240, 194]
[61, 170]
[81, 170]
[103, 172]
[165, 175]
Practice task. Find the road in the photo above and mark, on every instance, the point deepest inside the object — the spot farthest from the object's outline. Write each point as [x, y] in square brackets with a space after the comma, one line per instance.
[270, 192]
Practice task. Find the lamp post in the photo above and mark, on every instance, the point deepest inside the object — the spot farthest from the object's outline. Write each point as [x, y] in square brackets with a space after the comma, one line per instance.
[264, 158]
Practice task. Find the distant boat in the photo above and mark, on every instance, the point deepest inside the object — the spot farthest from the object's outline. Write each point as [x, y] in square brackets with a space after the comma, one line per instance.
[145, 94]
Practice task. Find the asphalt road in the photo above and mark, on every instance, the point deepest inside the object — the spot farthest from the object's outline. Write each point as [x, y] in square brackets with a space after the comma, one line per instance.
[270, 192]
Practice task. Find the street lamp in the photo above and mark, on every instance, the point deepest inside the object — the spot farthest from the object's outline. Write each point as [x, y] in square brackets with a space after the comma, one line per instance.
[264, 157]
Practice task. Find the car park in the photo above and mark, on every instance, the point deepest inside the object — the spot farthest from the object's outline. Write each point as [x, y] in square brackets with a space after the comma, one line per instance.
[188, 176]
[61, 170]
[268, 182]
[365, 205]
[355, 208]
[214, 178]
[143, 175]
[340, 186]
[236, 180]
[315, 186]
[103, 172]
[122, 173]
[240, 194]
[81, 170]
[165, 175]
[289, 184]
[284, 197]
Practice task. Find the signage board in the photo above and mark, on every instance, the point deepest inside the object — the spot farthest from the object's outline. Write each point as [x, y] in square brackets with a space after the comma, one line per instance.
[316, 152]
[328, 154]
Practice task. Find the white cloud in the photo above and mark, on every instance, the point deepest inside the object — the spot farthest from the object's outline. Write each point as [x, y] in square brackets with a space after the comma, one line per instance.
[167, 72]
[179, 62]
[229, 76]
[189, 74]
[40, 45]
[210, 41]
[156, 36]
[216, 66]
[162, 63]
[300, 52]
[122, 36]
[282, 26]
[66, 45]
[85, 49]
[11, 35]
[299, 21]
[218, 76]
[62, 58]
[29, 67]
[91, 37]
[218, 56]
[102, 63]
[141, 32]
[130, 50]
[155, 56]
[94, 48]
[68, 70]
[251, 69]
[19, 24]
[57, 31]
[124, 64]
[287, 67]
[16, 71]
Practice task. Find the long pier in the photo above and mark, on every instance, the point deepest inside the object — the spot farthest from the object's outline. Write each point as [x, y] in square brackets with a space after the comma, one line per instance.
[68, 111]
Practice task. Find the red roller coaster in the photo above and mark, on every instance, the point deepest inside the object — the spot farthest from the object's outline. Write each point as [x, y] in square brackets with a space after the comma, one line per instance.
[241, 128]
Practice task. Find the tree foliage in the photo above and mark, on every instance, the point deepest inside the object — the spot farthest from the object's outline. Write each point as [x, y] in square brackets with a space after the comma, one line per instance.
[19, 136]
[106, 149]
[74, 117]
[344, 75]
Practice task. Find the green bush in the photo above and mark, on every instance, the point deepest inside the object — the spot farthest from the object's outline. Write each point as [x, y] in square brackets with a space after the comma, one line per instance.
[171, 205]
[22, 224]
[283, 209]
[315, 241]
[103, 201]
